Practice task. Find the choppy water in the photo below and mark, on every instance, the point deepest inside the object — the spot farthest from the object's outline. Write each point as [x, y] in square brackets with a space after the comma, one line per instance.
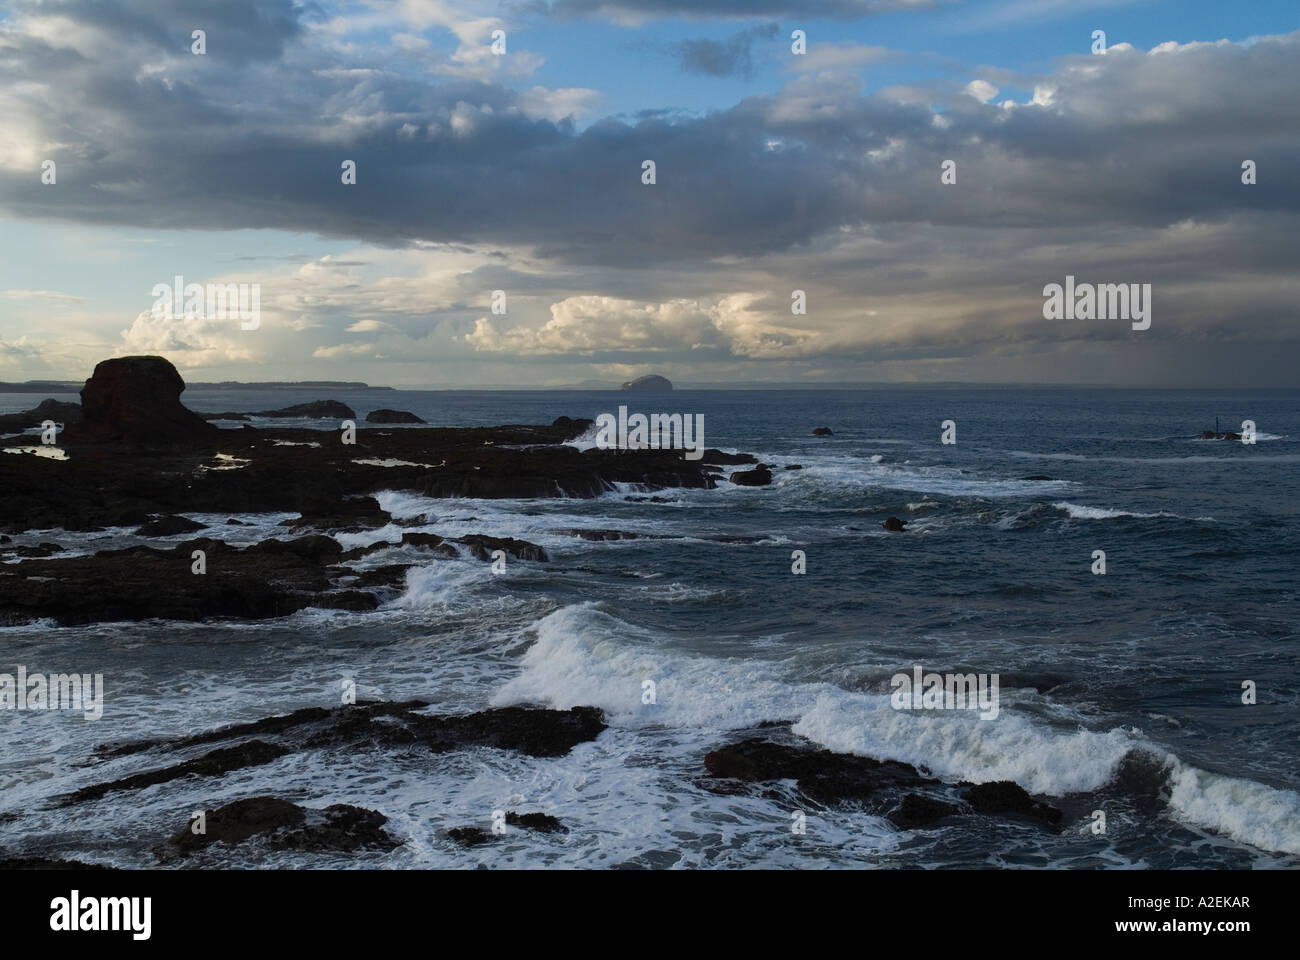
[1202, 540]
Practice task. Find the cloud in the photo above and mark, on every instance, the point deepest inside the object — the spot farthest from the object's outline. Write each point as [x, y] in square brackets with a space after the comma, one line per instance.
[723, 58]
[42, 295]
[639, 11]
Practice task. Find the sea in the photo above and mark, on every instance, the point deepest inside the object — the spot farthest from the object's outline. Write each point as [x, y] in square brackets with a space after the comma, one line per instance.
[1173, 675]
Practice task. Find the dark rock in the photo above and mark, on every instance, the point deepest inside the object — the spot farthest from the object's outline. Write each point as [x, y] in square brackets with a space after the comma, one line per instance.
[540, 822]
[286, 825]
[37, 552]
[918, 810]
[894, 524]
[537, 732]
[1037, 476]
[56, 410]
[310, 472]
[471, 836]
[1008, 798]
[820, 774]
[390, 575]
[345, 827]
[794, 466]
[136, 401]
[476, 836]
[572, 427]
[236, 822]
[221, 761]
[232, 522]
[727, 459]
[649, 383]
[316, 410]
[169, 526]
[482, 547]
[273, 578]
[822, 432]
[351, 515]
[759, 477]
[392, 416]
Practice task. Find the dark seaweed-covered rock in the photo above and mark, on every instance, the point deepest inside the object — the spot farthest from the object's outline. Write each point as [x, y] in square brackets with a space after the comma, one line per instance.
[1008, 798]
[894, 524]
[392, 416]
[822, 432]
[759, 477]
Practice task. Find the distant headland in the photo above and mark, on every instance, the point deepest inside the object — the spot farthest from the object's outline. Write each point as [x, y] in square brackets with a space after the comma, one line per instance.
[72, 386]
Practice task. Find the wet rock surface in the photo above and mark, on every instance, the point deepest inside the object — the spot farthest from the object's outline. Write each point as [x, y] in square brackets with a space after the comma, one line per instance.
[758, 477]
[535, 731]
[885, 787]
[281, 824]
[273, 578]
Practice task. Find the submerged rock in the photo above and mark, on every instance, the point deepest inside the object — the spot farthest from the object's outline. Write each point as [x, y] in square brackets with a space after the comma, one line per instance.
[894, 524]
[822, 432]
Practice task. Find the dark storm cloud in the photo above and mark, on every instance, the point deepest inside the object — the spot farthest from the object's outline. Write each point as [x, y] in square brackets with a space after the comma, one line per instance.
[237, 30]
[1136, 138]
[723, 58]
[1123, 168]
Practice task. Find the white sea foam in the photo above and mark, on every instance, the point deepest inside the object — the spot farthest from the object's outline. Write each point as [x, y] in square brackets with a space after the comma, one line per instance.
[584, 655]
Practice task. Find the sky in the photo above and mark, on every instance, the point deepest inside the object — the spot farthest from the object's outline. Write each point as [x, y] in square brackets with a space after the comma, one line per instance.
[776, 171]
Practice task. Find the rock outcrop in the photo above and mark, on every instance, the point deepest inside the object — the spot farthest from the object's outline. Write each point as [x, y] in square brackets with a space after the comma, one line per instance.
[392, 416]
[136, 401]
[56, 410]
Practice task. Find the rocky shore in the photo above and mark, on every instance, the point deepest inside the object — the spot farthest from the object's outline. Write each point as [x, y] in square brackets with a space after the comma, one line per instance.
[133, 456]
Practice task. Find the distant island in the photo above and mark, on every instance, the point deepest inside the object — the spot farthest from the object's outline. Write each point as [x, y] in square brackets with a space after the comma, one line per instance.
[72, 386]
[652, 383]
